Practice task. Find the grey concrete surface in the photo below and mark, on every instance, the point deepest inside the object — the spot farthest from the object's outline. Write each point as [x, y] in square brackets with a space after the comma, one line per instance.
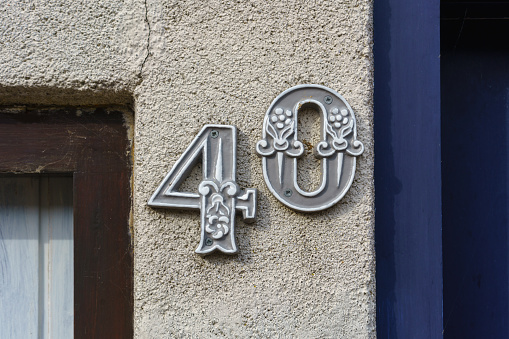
[183, 64]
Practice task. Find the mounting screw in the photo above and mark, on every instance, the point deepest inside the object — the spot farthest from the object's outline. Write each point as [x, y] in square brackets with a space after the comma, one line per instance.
[288, 192]
[328, 99]
[214, 134]
[208, 241]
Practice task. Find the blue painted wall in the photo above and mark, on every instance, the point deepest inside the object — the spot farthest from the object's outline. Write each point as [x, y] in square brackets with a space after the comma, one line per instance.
[407, 169]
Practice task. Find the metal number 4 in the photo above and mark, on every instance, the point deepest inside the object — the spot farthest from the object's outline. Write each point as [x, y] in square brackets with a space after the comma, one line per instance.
[337, 149]
[218, 195]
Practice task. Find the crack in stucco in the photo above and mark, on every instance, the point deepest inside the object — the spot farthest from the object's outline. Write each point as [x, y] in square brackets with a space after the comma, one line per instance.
[148, 40]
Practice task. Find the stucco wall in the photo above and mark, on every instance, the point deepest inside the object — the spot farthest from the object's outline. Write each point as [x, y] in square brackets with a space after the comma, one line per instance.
[188, 63]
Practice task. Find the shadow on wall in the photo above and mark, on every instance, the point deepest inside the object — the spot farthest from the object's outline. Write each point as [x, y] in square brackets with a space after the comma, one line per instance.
[46, 95]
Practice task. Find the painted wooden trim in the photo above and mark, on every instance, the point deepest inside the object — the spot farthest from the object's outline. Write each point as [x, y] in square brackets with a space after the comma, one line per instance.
[407, 168]
[93, 145]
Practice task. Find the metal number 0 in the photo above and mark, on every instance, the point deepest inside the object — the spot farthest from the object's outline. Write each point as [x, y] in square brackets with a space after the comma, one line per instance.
[280, 147]
[218, 195]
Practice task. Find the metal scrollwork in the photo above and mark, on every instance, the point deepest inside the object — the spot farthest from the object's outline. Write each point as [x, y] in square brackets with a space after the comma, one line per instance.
[280, 125]
[218, 214]
[339, 126]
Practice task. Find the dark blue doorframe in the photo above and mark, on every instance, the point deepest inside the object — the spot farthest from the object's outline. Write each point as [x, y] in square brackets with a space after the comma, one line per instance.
[475, 163]
[407, 168]
[475, 114]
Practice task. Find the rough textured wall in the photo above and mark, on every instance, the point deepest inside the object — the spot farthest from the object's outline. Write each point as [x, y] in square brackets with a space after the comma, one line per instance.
[189, 63]
[71, 52]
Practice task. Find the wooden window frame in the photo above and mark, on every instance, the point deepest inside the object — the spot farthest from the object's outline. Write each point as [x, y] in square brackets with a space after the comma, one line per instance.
[92, 144]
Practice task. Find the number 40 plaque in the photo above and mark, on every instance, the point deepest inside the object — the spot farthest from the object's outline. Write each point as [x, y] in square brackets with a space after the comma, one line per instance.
[219, 197]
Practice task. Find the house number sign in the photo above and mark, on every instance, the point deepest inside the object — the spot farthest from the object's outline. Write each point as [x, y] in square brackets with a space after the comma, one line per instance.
[280, 147]
[218, 196]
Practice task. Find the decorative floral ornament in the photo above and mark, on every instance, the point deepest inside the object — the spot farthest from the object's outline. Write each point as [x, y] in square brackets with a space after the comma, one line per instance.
[218, 217]
[337, 120]
[340, 125]
[281, 119]
[280, 125]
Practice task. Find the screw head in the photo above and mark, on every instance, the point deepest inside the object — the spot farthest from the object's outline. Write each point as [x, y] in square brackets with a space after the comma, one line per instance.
[328, 99]
[214, 134]
[208, 241]
[288, 192]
